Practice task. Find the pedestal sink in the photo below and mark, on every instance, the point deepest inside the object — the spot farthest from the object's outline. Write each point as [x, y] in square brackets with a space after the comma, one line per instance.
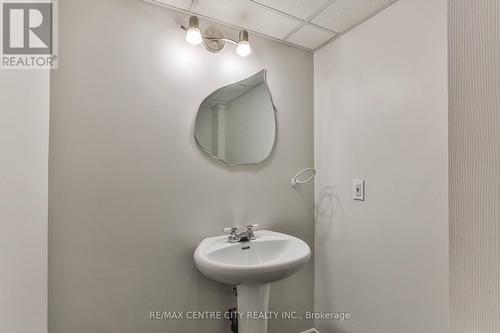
[252, 266]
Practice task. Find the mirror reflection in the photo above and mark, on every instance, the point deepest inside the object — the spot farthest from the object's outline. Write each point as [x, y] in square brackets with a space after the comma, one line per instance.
[236, 124]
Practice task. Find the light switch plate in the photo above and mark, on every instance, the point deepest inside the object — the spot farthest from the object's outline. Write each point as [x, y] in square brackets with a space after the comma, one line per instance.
[358, 190]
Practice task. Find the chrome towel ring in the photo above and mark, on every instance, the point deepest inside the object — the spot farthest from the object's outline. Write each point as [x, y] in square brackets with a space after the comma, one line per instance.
[297, 179]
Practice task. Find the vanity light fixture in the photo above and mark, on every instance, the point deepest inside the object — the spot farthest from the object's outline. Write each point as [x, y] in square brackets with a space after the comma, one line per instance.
[213, 39]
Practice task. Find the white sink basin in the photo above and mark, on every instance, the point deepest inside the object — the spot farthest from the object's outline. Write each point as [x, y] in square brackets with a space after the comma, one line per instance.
[272, 256]
[252, 266]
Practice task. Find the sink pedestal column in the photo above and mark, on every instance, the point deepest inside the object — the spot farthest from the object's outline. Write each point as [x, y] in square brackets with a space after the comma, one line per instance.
[253, 298]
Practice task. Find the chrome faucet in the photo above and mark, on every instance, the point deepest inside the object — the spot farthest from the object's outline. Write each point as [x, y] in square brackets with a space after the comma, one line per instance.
[244, 236]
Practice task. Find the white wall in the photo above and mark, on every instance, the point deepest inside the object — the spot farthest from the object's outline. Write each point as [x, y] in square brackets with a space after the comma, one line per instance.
[381, 115]
[474, 166]
[131, 194]
[24, 136]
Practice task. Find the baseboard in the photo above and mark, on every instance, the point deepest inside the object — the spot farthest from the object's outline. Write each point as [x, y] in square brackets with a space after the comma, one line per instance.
[312, 330]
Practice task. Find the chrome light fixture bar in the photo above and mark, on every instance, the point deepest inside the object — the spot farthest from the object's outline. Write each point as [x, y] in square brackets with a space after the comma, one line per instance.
[213, 39]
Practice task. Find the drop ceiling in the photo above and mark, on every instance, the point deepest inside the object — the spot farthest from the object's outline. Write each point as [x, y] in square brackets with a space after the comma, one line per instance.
[308, 24]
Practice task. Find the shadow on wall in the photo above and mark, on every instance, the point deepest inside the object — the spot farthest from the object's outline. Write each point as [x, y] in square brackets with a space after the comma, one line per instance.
[330, 218]
[330, 234]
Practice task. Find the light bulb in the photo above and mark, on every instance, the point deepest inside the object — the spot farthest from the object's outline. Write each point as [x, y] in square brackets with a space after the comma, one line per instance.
[243, 49]
[193, 36]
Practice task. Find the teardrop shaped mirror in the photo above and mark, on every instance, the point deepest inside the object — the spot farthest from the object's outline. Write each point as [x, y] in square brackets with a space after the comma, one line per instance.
[236, 124]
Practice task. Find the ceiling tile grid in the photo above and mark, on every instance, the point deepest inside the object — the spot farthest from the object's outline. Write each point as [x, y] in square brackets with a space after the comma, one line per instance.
[306, 23]
[245, 13]
[181, 4]
[342, 15]
[301, 9]
[310, 37]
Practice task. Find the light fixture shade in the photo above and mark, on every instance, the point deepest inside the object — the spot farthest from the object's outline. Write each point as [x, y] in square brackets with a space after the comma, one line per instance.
[193, 35]
[243, 49]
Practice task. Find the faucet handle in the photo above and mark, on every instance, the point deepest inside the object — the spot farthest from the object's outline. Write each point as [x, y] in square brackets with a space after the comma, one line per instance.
[231, 230]
[252, 226]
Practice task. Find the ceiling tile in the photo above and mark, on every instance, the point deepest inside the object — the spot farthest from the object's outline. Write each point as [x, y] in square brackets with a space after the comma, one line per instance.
[343, 14]
[182, 4]
[245, 13]
[298, 8]
[310, 37]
